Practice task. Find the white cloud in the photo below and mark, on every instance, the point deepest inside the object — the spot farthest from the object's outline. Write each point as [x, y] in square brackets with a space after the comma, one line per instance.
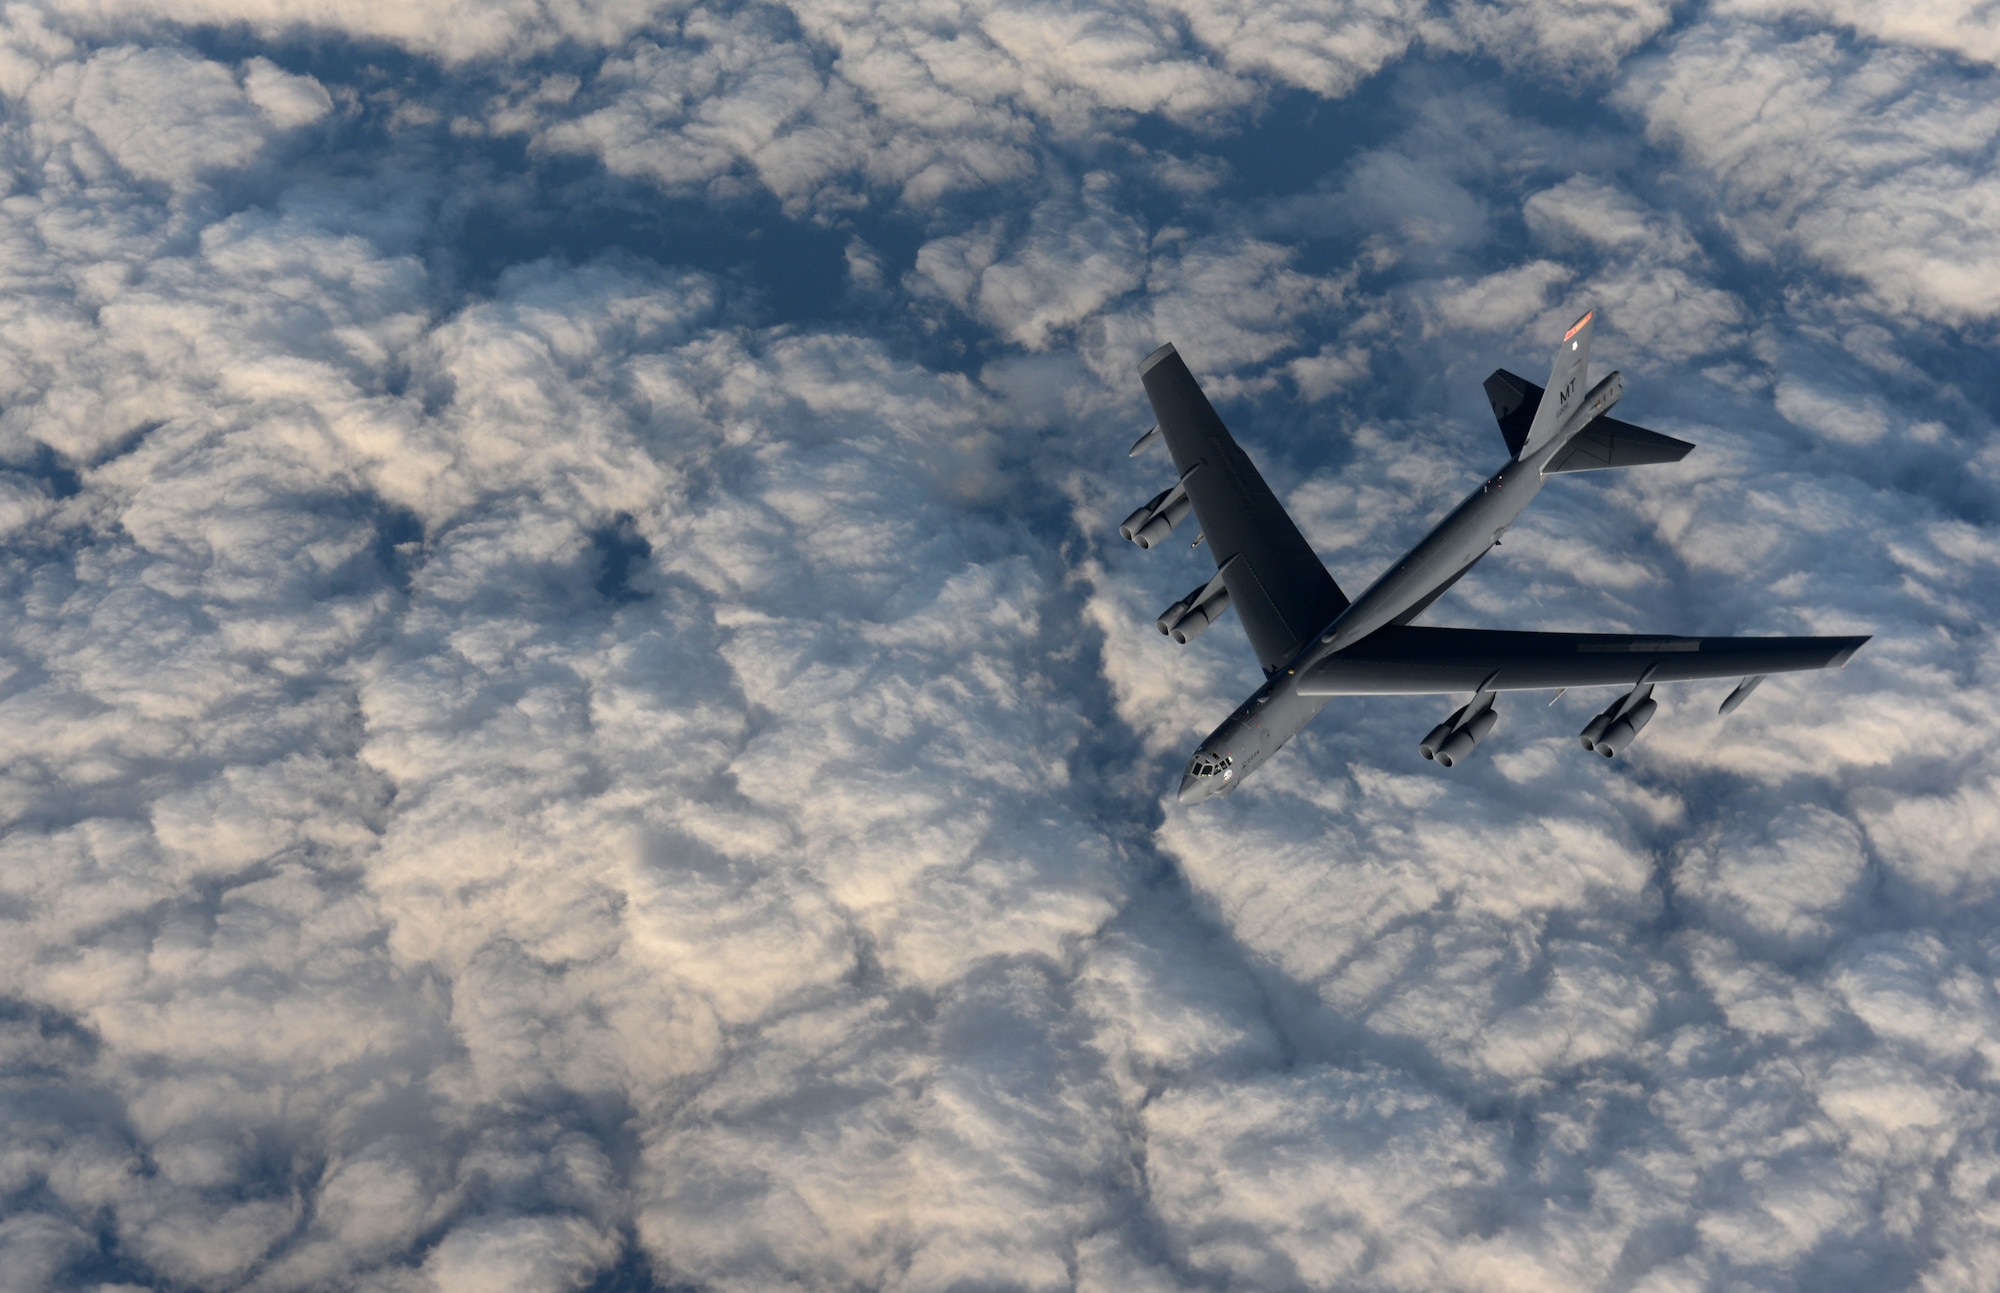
[1337, 1181]
[929, 103]
[1076, 256]
[450, 30]
[1227, 302]
[1848, 419]
[1319, 375]
[521, 1256]
[163, 115]
[1946, 842]
[1871, 162]
[1587, 36]
[1781, 881]
[1582, 210]
[35, 1248]
[1966, 27]
[288, 100]
[730, 95]
[1503, 301]
[504, 762]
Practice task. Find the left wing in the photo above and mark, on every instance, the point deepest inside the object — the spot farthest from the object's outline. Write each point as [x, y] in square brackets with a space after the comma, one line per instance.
[1409, 660]
[1275, 580]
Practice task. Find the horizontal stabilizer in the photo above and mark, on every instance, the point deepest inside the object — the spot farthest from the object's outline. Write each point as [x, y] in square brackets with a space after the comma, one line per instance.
[1607, 442]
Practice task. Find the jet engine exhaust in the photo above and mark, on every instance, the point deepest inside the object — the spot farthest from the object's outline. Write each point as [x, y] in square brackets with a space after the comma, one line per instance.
[1614, 729]
[1429, 746]
[1150, 524]
[1190, 625]
[1450, 741]
[1472, 733]
[1595, 728]
[1144, 513]
[1170, 514]
[1620, 734]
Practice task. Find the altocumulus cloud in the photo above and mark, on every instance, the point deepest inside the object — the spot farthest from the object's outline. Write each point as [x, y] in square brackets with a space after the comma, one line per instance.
[569, 720]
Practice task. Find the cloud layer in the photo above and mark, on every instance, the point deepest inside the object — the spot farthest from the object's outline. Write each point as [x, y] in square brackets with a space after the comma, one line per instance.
[572, 717]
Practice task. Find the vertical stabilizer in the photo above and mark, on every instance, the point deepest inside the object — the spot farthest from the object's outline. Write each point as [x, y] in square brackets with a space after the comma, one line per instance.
[1567, 385]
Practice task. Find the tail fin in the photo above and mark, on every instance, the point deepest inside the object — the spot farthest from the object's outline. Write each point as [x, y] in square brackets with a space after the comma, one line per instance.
[1604, 442]
[1514, 401]
[1567, 384]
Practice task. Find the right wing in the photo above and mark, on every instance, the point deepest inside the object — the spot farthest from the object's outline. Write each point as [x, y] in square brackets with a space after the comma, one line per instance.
[1275, 580]
[1408, 660]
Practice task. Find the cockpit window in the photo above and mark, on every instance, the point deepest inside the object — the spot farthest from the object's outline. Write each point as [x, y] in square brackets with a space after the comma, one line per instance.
[1208, 765]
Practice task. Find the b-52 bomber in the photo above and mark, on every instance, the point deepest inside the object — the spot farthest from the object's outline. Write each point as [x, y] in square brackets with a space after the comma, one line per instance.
[1315, 644]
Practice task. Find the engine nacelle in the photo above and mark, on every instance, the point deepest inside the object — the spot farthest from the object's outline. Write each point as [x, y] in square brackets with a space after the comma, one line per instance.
[1460, 743]
[1629, 724]
[1165, 624]
[1429, 746]
[1170, 514]
[1131, 524]
[1594, 729]
[1189, 626]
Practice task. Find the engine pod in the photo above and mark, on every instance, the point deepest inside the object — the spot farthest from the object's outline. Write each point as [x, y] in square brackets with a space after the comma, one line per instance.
[1189, 626]
[1429, 746]
[1472, 733]
[1620, 734]
[1593, 731]
[1130, 525]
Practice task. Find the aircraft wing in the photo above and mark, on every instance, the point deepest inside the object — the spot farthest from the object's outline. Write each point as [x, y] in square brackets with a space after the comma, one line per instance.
[1409, 660]
[1275, 580]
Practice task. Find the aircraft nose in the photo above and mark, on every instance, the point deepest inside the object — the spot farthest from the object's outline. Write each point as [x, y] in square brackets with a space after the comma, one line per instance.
[1195, 790]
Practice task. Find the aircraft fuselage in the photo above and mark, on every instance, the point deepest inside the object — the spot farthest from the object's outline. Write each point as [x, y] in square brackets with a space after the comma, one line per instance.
[1313, 644]
[1275, 712]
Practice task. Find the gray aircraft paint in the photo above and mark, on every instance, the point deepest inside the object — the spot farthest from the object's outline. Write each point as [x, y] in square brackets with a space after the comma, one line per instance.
[1314, 644]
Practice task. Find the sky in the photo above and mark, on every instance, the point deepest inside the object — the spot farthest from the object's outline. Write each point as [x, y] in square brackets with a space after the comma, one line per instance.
[573, 717]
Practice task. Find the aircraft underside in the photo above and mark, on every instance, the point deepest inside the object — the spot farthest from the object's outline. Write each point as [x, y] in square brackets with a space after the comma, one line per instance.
[1314, 643]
